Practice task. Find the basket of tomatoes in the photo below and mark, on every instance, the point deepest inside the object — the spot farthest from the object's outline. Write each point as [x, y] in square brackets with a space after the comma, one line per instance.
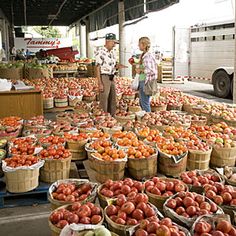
[76, 144]
[112, 189]
[77, 213]
[57, 163]
[21, 173]
[68, 191]
[160, 189]
[126, 212]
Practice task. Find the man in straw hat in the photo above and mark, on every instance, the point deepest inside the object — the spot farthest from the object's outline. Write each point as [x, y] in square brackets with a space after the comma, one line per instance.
[106, 67]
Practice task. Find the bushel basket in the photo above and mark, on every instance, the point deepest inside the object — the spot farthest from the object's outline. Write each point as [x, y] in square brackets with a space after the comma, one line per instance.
[158, 201]
[187, 222]
[105, 170]
[199, 160]
[55, 169]
[170, 167]
[55, 231]
[221, 157]
[56, 203]
[143, 167]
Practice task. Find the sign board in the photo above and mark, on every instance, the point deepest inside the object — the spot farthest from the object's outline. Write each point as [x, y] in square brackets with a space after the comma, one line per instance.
[35, 44]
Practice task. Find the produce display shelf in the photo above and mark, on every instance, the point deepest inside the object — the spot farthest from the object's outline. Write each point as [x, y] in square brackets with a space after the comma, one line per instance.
[36, 196]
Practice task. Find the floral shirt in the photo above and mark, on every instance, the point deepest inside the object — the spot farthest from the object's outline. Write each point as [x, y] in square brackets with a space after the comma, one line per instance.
[106, 60]
[150, 66]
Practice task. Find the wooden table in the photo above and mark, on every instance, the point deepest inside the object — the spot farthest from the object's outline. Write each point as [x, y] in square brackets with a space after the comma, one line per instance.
[23, 103]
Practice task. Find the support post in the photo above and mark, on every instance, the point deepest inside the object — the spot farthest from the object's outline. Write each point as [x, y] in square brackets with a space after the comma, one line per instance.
[121, 9]
[88, 45]
[82, 41]
[234, 80]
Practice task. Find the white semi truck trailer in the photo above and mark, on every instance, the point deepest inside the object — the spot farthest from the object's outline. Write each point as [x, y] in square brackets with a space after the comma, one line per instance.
[205, 53]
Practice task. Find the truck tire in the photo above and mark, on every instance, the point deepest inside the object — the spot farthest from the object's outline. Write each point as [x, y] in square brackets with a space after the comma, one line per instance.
[221, 84]
[232, 86]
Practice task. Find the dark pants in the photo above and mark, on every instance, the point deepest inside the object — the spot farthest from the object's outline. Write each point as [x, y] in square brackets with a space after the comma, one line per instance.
[108, 96]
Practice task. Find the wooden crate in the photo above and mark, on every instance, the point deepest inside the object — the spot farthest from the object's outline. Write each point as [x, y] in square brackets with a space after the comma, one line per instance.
[166, 73]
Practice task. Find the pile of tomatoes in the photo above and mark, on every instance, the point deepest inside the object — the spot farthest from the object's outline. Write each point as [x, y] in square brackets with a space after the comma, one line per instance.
[77, 213]
[130, 210]
[126, 187]
[75, 137]
[50, 140]
[71, 192]
[20, 160]
[55, 152]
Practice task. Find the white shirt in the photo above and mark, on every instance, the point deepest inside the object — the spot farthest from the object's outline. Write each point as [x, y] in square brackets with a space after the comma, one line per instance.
[106, 60]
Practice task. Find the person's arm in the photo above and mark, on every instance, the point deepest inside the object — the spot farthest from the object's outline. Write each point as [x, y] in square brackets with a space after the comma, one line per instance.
[120, 66]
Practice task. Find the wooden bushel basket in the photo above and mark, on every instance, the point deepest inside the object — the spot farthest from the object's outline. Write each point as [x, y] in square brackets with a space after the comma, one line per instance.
[159, 108]
[111, 130]
[188, 108]
[48, 103]
[124, 119]
[54, 170]
[142, 168]
[135, 109]
[173, 107]
[61, 102]
[216, 119]
[168, 167]
[55, 231]
[198, 160]
[158, 201]
[89, 98]
[105, 170]
[221, 157]
[230, 122]
[21, 181]
[56, 203]
[123, 230]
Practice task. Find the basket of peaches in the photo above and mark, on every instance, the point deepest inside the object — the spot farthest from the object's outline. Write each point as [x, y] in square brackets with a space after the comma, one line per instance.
[143, 133]
[109, 164]
[123, 134]
[142, 161]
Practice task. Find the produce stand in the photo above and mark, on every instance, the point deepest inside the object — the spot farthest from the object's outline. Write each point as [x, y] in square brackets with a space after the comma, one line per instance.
[21, 103]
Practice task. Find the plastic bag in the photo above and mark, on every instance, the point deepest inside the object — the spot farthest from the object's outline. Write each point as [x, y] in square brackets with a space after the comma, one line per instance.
[135, 82]
[5, 85]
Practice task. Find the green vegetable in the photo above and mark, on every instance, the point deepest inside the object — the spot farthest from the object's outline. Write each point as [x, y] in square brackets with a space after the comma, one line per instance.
[102, 232]
[89, 233]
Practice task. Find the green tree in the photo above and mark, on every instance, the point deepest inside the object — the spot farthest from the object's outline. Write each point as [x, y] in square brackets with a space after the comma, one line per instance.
[48, 32]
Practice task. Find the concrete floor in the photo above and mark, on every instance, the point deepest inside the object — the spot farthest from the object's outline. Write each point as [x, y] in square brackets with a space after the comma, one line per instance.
[198, 89]
[32, 220]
